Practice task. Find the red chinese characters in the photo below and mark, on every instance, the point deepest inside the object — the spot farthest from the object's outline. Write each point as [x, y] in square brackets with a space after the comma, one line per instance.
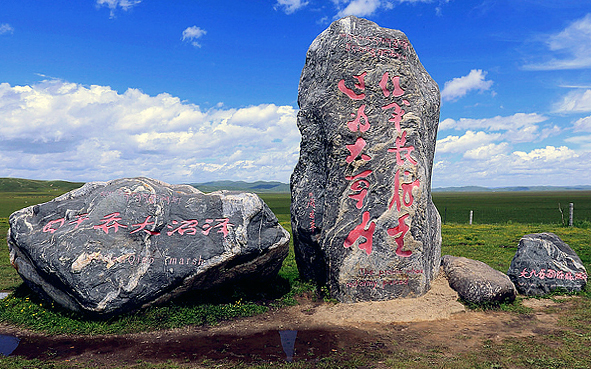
[56, 224]
[405, 182]
[79, 219]
[53, 225]
[142, 227]
[187, 226]
[397, 91]
[360, 85]
[403, 152]
[360, 122]
[360, 183]
[396, 115]
[223, 226]
[360, 186]
[362, 230]
[403, 197]
[355, 151]
[552, 274]
[111, 223]
[398, 233]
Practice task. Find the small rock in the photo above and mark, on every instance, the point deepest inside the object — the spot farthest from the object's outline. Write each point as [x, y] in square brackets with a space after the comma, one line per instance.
[544, 263]
[108, 248]
[476, 282]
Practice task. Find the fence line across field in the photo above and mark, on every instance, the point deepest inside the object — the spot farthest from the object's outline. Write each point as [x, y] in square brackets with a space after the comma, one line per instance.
[571, 216]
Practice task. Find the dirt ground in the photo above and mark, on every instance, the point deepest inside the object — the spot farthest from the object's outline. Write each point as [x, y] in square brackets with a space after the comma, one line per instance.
[322, 329]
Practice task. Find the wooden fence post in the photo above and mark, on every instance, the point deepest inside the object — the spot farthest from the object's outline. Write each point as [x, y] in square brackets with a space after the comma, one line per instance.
[471, 216]
[571, 214]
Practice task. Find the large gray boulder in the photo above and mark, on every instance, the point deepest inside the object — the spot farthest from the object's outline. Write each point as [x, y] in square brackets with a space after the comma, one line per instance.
[112, 247]
[476, 282]
[362, 216]
[544, 263]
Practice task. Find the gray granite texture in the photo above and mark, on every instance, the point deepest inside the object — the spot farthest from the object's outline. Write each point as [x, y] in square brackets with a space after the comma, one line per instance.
[112, 247]
[544, 263]
[362, 216]
[476, 282]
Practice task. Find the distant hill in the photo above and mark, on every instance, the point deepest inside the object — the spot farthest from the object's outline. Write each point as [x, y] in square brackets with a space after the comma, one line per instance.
[278, 187]
[31, 185]
[256, 187]
[511, 189]
[461, 189]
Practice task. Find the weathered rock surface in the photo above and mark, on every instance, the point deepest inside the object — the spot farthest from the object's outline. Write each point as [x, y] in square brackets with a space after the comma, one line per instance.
[107, 248]
[544, 263]
[362, 216]
[476, 282]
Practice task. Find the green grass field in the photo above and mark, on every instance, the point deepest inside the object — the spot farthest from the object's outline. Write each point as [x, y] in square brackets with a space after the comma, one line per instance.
[500, 220]
[16, 193]
[517, 207]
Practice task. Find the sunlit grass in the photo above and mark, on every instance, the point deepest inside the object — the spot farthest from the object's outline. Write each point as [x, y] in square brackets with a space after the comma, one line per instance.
[25, 309]
[494, 244]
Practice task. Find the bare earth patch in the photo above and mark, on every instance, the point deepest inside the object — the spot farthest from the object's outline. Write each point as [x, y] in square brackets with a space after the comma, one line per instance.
[433, 321]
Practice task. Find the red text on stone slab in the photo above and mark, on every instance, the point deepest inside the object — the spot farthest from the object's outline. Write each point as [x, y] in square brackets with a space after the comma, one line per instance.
[361, 231]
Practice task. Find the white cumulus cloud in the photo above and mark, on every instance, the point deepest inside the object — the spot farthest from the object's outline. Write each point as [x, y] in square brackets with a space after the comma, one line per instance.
[584, 141]
[290, 6]
[359, 8]
[573, 45]
[582, 124]
[487, 151]
[519, 127]
[576, 101]
[366, 8]
[468, 141]
[547, 154]
[459, 87]
[61, 130]
[501, 150]
[192, 34]
[114, 4]
[6, 28]
[494, 164]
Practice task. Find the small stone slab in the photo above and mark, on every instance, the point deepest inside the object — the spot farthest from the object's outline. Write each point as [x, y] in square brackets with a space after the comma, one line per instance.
[544, 263]
[476, 282]
[362, 216]
[108, 248]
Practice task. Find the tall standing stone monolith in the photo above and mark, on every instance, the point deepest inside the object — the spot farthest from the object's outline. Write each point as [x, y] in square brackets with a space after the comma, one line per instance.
[362, 216]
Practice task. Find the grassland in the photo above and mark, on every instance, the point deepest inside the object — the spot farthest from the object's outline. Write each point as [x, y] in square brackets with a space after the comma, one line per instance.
[18, 193]
[500, 221]
[514, 207]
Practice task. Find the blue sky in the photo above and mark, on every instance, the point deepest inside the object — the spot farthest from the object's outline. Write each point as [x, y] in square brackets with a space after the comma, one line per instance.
[193, 91]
